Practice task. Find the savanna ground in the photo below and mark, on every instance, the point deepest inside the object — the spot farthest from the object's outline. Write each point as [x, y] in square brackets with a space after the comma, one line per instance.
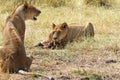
[97, 59]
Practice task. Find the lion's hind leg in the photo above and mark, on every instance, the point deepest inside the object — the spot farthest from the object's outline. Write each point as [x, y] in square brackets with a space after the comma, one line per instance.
[3, 56]
[3, 53]
[89, 30]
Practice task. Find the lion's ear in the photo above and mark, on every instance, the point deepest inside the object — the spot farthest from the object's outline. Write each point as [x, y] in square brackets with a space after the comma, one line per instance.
[53, 25]
[30, 2]
[25, 5]
[64, 25]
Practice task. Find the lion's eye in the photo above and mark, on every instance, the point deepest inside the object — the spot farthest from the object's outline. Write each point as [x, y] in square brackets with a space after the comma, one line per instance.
[64, 27]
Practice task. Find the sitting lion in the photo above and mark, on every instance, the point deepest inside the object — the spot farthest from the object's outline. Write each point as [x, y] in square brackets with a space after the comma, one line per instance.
[12, 52]
[63, 33]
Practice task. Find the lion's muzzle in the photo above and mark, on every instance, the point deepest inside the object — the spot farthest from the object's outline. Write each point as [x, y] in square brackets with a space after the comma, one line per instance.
[37, 14]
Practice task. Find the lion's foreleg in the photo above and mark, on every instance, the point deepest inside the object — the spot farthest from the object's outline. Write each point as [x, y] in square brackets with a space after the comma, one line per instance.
[28, 62]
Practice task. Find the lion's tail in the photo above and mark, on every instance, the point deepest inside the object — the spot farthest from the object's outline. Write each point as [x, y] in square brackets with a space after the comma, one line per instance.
[89, 30]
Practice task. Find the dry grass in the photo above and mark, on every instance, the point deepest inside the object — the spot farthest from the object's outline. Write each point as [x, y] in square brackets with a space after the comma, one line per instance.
[89, 54]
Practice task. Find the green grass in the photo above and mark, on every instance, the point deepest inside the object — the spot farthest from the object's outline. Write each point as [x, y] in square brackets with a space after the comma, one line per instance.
[106, 23]
[92, 75]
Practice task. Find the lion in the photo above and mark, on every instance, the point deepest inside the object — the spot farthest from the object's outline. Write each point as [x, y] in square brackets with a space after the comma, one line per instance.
[63, 33]
[12, 52]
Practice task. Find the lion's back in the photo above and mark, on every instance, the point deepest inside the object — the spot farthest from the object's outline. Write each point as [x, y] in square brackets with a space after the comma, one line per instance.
[75, 32]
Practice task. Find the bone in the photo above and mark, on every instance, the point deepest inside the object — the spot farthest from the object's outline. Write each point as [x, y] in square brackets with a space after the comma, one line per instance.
[49, 44]
[39, 75]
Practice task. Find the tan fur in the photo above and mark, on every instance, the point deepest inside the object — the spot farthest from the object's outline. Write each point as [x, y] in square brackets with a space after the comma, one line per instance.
[12, 52]
[64, 32]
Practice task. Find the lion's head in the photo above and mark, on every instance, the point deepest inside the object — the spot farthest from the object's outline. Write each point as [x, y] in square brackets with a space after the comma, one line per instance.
[27, 11]
[59, 32]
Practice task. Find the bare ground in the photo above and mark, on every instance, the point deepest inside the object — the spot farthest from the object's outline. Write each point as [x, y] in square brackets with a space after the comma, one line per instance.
[98, 64]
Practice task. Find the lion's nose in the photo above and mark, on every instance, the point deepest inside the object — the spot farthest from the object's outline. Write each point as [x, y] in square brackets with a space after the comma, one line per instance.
[39, 12]
[55, 38]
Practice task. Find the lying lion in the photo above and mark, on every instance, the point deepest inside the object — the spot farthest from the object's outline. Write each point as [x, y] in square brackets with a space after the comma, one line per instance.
[63, 33]
[12, 52]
